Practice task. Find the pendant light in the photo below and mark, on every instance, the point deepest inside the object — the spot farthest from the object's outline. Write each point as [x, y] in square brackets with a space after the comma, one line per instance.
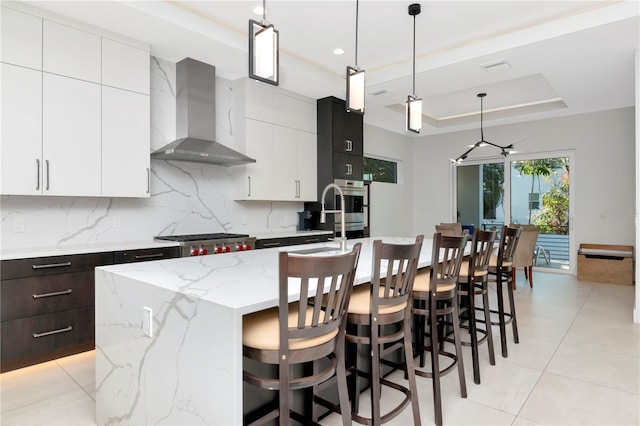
[414, 103]
[355, 81]
[264, 56]
[505, 150]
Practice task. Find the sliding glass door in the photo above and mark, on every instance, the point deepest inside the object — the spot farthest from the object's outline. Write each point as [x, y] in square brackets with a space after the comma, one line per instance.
[532, 189]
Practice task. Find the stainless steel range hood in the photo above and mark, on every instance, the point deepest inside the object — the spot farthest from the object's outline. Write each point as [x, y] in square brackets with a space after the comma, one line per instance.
[196, 119]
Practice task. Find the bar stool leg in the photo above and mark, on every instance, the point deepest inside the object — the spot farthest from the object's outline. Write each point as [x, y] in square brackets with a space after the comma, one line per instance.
[435, 362]
[410, 372]
[501, 322]
[514, 322]
[458, 345]
[471, 314]
[487, 321]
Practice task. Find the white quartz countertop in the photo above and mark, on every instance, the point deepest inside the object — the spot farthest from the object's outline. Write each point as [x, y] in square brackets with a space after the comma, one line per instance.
[242, 281]
[29, 252]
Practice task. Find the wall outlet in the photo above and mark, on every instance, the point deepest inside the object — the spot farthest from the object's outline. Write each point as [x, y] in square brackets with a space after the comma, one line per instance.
[147, 321]
[116, 222]
[18, 224]
[243, 219]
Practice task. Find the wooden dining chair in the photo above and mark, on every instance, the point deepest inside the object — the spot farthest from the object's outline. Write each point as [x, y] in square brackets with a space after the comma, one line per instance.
[434, 299]
[304, 332]
[472, 282]
[501, 268]
[450, 229]
[382, 311]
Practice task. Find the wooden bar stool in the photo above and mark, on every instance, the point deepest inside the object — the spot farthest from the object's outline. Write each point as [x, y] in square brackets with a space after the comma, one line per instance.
[383, 308]
[501, 266]
[308, 330]
[435, 297]
[473, 281]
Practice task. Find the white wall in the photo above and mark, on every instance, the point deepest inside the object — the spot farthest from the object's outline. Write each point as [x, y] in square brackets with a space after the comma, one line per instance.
[604, 146]
[185, 197]
[391, 204]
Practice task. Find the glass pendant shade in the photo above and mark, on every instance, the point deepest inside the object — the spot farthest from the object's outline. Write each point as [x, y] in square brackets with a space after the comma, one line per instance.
[414, 114]
[355, 90]
[263, 52]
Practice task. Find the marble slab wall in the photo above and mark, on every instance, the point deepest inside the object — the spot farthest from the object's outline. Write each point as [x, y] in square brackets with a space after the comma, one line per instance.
[185, 197]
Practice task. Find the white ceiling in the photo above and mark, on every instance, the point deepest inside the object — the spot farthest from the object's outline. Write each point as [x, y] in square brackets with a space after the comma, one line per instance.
[564, 57]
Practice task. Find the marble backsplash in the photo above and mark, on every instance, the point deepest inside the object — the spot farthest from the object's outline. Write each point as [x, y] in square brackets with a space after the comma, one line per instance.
[185, 197]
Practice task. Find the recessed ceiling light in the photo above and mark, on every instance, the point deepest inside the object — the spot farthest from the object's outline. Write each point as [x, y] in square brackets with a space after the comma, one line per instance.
[338, 51]
[258, 10]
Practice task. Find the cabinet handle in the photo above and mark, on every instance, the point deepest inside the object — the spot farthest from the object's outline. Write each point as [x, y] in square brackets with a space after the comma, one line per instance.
[275, 244]
[349, 145]
[312, 240]
[297, 188]
[49, 333]
[51, 265]
[149, 256]
[349, 168]
[249, 180]
[37, 174]
[46, 162]
[55, 293]
[148, 180]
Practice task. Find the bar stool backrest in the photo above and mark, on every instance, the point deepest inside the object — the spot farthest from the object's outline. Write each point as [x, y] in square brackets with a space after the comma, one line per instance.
[508, 243]
[446, 260]
[394, 269]
[450, 229]
[481, 250]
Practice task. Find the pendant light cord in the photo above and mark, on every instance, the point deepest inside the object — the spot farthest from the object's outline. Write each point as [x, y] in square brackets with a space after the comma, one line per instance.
[481, 120]
[264, 11]
[357, 7]
[414, 55]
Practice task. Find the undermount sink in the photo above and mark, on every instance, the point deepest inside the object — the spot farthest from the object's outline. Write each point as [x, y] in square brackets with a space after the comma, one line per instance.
[318, 250]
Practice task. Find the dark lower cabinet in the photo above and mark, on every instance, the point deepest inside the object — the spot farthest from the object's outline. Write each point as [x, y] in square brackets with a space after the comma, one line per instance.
[47, 304]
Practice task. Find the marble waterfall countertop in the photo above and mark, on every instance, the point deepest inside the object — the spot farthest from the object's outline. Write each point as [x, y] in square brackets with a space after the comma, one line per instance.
[169, 332]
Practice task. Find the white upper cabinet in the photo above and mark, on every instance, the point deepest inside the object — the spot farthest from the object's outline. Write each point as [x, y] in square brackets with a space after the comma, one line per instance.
[125, 66]
[71, 136]
[21, 147]
[278, 129]
[125, 143]
[21, 39]
[71, 52]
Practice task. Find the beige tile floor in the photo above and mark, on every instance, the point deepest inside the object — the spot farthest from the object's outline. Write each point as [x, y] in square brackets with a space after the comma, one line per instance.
[578, 363]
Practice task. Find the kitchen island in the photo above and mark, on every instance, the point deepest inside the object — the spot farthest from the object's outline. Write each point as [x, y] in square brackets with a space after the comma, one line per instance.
[169, 332]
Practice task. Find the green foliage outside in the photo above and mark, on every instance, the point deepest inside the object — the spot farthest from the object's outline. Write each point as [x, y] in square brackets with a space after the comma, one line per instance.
[380, 170]
[492, 188]
[553, 217]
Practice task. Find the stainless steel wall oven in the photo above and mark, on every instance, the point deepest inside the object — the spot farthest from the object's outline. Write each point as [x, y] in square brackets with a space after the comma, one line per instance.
[354, 202]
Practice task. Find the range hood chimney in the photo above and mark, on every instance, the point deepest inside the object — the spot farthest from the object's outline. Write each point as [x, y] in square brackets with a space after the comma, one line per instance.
[196, 119]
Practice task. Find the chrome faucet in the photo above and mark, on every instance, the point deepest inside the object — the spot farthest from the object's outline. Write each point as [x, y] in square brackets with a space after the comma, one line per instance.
[323, 216]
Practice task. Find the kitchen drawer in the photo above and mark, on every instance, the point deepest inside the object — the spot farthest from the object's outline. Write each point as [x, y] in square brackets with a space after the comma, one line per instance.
[291, 241]
[38, 266]
[26, 341]
[23, 297]
[143, 255]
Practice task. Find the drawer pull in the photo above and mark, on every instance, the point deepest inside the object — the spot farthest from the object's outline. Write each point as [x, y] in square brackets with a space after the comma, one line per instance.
[274, 244]
[55, 293]
[51, 265]
[149, 256]
[312, 240]
[49, 333]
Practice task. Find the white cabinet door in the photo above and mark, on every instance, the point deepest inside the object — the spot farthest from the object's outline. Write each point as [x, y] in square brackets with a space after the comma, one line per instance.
[125, 67]
[70, 52]
[71, 136]
[285, 184]
[307, 165]
[255, 180]
[21, 144]
[125, 143]
[21, 36]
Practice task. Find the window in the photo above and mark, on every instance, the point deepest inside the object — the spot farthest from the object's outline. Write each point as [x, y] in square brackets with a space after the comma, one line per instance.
[380, 170]
[534, 200]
